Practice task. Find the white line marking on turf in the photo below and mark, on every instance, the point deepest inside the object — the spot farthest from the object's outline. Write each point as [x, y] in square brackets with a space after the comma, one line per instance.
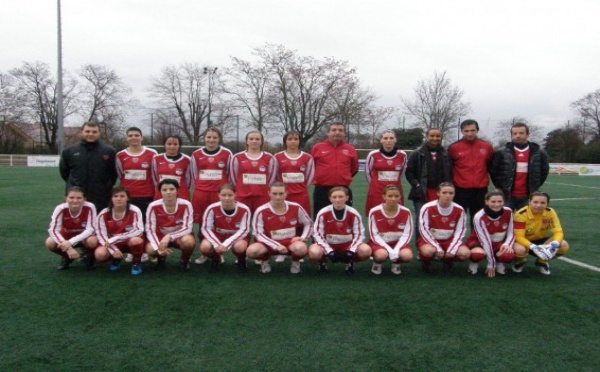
[570, 184]
[581, 264]
[573, 199]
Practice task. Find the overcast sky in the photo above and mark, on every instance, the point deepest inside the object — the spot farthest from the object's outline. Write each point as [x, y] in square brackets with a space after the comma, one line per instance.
[514, 57]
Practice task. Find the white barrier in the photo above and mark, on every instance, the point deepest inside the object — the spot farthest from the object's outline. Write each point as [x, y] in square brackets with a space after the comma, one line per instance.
[43, 160]
[575, 169]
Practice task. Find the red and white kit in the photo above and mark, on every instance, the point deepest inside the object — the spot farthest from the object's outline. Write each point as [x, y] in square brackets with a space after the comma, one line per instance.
[341, 235]
[220, 228]
[442, 228]
[74, 228]
[381, 171]
[178, 170]
[391, 233]
[520, 186]
[160, 223]
[273, 229]
[252, 178]
[135, 172]
[118, 231]
[297, 175]
[490, 233]
[209, 172]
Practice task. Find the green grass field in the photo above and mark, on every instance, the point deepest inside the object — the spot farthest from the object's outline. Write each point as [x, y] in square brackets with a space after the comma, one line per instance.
[76, 320]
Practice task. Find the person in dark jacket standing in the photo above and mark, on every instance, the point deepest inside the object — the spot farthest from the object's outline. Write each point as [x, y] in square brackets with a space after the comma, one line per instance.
[90, 165]
[520, 168]
[471, 159]
[426, 168]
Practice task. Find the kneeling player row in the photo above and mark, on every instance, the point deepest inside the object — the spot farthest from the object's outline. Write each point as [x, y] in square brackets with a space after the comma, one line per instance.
[281, 227]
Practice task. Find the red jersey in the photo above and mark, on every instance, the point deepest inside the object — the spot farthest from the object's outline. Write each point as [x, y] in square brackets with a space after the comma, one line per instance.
[470, 160]
[273, 229]
[339, 235]
[220, 228]
[252, 177]
[114, 231]
[390, 232]
[209, 172]
[334, 165]
[135, 172]
[442, 227]
[178, 170]
[74, 228]
[381, 171]
[159, 222]
[490, 233]
[520, 188]
[297, 173]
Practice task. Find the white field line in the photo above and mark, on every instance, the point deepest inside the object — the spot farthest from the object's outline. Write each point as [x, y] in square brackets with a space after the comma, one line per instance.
[580, 264]
[553, 200]
[570, 184]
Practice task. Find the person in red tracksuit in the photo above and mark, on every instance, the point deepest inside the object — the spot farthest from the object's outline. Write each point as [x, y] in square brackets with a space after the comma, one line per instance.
[336, 162]
[471, 159]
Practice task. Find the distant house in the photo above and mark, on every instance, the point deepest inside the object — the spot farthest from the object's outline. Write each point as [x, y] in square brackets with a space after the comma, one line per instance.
[31, 137]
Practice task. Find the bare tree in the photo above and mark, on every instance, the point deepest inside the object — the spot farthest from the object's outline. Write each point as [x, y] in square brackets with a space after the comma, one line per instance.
[588, 108]
[36, 92]
[105, 98]
[190, 93]
[437, 104]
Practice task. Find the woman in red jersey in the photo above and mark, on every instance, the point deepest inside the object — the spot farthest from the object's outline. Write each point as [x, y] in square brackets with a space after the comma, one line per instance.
[390, 228]
[384, 167]
[120, 228]
[169, 224]
[442, 228]
[338, 233]
[225, 226]
[492, 236]
[172, 164]
[252, 171]
[72, 225]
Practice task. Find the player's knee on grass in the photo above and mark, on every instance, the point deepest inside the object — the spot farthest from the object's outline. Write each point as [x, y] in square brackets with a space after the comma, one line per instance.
[380, 255]
[205, 247]
[463, 253]
[520, 251]
[427, 251]
[315, 253]
[51, 245]
[363, 252]
[187, 243]
[405, 255]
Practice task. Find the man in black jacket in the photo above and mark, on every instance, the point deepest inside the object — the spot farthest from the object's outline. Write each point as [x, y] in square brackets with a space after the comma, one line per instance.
[520, 168]
[91, 165]
[426, 168]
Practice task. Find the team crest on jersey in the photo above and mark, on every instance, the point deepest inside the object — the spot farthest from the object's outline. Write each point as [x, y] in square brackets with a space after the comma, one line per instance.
[179, 221]
[221, 164]
[254, 163]
[398, 167]
[452, 224]
[179, 172]
[293, 221]
[171, 166]
[444, 219]
[262, 168]
[128, 228]
[145, 165]
[135, 160]
[401, 226]
[302, 168]
[345, 152]
[505, 226]
[84, 224]
[348, 231]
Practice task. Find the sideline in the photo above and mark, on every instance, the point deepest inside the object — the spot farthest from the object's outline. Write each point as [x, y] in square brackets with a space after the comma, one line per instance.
[570, 184]
[581, 264]
[553, 200]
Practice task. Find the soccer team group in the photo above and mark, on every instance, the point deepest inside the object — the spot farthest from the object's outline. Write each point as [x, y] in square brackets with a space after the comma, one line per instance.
[257, 205]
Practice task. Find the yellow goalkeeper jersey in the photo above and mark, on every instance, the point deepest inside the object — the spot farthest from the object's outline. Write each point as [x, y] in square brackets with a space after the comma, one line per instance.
[531, 227]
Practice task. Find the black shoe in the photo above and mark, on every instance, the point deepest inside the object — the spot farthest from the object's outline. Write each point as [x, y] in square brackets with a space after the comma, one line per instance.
[323, 268]
[426, 266]
[89, 261]
[184, 266]
[447, 266]
[241, 265]
[215, 264]
[161, 263]
[64, 264]
[350, 268]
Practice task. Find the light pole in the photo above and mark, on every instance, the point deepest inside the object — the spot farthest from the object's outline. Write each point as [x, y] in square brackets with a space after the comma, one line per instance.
[210, 71]
[59, 87]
